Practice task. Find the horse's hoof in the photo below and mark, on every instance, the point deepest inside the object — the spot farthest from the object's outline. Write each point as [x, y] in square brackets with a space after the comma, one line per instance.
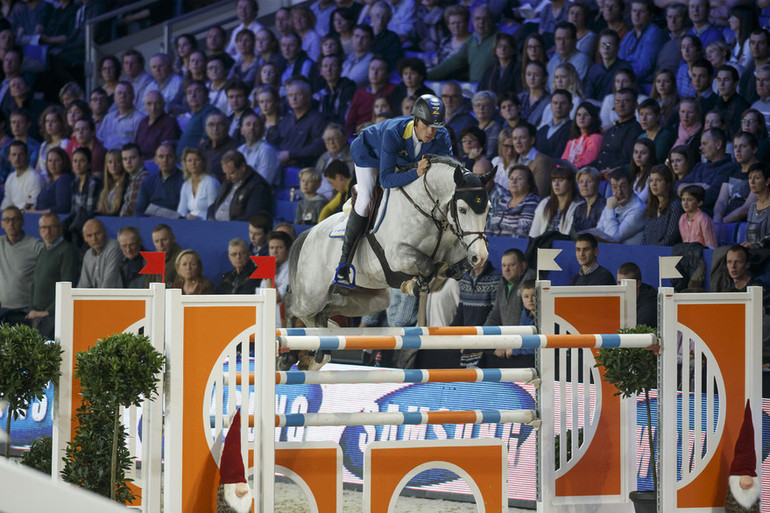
[308, 362]
[409, 287]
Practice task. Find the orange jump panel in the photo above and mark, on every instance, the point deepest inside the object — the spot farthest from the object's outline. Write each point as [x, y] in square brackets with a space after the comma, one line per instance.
[319, 466]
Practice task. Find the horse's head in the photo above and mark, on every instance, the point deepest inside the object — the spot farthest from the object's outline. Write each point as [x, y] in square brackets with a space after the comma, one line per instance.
[469, 208]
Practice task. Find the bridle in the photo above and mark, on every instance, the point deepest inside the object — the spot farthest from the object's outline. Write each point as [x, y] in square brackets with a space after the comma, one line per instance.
[441, 218]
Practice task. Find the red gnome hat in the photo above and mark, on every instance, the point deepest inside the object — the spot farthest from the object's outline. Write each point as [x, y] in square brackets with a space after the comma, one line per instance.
[745, 458]
[231, 468]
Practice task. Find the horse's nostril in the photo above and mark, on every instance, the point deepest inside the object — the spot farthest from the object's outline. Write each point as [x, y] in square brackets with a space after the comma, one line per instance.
[475, 260]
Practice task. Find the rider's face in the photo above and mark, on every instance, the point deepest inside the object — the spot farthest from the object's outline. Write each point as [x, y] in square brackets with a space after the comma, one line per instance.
[424, 132]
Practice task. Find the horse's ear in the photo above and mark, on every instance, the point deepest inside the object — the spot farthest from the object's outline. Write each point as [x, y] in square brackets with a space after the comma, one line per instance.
[459, 172]
[486, 177]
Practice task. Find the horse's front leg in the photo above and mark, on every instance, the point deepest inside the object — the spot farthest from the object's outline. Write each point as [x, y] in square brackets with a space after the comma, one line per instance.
[426, 270]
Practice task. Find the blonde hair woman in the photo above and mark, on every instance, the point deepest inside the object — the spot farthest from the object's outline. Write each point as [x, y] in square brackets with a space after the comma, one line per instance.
[115, 179]
[189, 274]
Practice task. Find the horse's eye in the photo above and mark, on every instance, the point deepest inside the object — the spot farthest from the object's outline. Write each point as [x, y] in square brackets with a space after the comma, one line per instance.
[463, 210]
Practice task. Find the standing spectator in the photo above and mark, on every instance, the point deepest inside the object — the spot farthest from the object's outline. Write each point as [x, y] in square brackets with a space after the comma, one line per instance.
[115, 180]
[585, 136]
[256, 150]
[159, 192]
[158, 126]
[710, 175]
[590, 273]
[356, 66]
[694, 224]
[243, 194]
[134, 166]
[166, 81]
[475, 54]
[85, 195]
[189, 274]
[641, 46]
[589, 210]
[130, 243]
[298, 138]
[55, 132]
[247, 11]
[566, 50]
[676, 25]
[386, 42]
[18, 256]
[217, 143]
[701, 27]
[601, 76]
[197, 99]
[238, 279]
[337, 92]
[23, 186]
[56, 196]
[506, 310]
[119, 126]
[101, 263]
[164, 240]
[200, 189]
[623, 219]
[618, 140]
[140, 80]
[663, 209]
[556, 212]
[759, 44]
[58, 261]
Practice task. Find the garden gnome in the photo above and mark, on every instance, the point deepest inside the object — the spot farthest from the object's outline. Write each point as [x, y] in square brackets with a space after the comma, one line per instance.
[233, 494]
[744, 490]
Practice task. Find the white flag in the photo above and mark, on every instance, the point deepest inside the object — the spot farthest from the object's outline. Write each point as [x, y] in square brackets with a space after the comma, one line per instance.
[546, 260]
[667, 268]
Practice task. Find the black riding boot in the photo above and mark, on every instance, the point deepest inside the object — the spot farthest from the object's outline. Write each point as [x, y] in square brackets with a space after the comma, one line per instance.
[355, 227]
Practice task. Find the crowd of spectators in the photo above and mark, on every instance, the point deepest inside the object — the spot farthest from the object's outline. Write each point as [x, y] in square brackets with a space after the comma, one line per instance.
[632, 121]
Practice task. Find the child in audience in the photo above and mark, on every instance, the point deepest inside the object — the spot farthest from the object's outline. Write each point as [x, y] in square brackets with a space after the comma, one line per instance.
[311, 204]
[694, 224]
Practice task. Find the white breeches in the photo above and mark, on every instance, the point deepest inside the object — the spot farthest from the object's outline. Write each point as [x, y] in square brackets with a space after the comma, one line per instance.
[366, 178]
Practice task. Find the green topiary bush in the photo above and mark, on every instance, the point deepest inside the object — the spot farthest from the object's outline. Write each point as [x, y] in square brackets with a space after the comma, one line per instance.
[39, 455]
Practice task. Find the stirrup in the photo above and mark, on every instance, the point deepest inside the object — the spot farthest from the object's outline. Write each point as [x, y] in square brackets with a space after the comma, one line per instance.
[341, 281]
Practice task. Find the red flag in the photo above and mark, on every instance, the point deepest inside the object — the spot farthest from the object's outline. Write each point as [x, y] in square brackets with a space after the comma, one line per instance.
[265, 267]
[156, 263]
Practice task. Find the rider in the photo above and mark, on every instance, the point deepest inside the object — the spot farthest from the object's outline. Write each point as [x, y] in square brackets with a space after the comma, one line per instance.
[394, 142]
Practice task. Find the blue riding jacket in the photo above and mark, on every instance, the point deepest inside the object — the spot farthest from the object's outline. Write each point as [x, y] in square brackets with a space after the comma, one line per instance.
[389, 144]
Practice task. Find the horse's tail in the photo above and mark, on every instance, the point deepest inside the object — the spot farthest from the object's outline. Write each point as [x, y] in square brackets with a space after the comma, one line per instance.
[294, 253]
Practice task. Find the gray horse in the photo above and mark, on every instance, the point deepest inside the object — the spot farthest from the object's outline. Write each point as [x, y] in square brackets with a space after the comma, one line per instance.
[425, 232]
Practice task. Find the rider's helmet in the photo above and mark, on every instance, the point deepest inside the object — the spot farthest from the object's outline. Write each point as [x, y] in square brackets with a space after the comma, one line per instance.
[430, 110]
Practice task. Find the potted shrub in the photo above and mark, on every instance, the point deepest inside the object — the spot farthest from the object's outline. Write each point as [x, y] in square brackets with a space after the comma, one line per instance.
[632, 372]
[27, 364]
[119, 371]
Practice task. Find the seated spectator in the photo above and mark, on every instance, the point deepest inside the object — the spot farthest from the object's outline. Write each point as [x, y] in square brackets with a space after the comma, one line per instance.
[216, 74]
[509, 107]
[55, 132]
[298, 138]
[85, 195]
[500, 77]
[194, 130]
[283, 24]
[646, 295]
[200, 188]
[718, 54]
[412, 72]
[681, 161]
[664, 93]
[168, 83]
[551, 16]
[663, 209]
[457, 19]
[714, 172]
[753, 123]
[159, 192]
[534, 99]
[259, 226]
[119, 127]
[623, 218]
[24, 184]
[473, 140]
[164, 240]
[624, 79]
[589, 210]
[458, 111]
[429, 26]
[694, 224]
[216, 38]
[12, 60]
[541, 165]
[303, 21]
[601, 76]
[612, 16]
[578, 13]
[503, 165]
[238, 103]
[101, 263]
[361, 107]
[238, 279]
[196, 67]
[475, 55]
[556, 212]
[84, 134]
[484, 107]
[20, 97]
[702, 75]
[641, 45]
[552, 137]
[618, 141]
[649, 119]
[585, 136]
[19, 123]
[58, 261]
[564, 77]
[338, 174]
[513, 217]
[565, 38]
[690, 124]
[757, 226]
[140, 80]
[189, 271]
[763, 92]
[216, 143]
[337, 148]
[268, 104]
[691, 49]
[337, 91]
[386, 41]
[246, 65]
[243, 193]
[699, 16]
[341, 25]
[56, 196]
[18, 256]
[279, 244]
[734, 195]
[642, 161]
[590, 273]
[134, 167]
[256, 150]
[247, 11]
[311, 204]
[356, 66]
[130, 242]
[730, 102]
[115, 180]
[738, 262]
[297, 61]
[99, 104]
[157, 126]
[109, 72]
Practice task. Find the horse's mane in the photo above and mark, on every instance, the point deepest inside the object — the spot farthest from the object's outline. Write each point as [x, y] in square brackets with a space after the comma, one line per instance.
[438, 159]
